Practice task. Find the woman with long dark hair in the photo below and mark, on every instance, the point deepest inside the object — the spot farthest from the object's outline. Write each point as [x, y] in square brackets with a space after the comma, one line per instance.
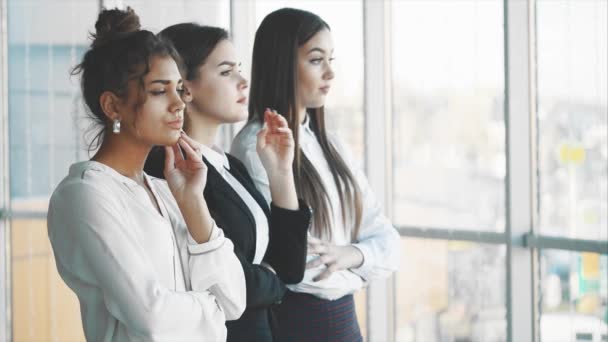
[269, 239]
[143, 255]
[352, 242]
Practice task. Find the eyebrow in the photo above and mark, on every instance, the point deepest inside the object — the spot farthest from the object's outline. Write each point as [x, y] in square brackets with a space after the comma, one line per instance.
[165, 82]
[317, 49]
[229, 63]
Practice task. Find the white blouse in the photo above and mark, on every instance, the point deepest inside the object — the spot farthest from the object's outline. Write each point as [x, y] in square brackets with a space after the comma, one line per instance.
[219, 161]
[378, 240]
[139, 275]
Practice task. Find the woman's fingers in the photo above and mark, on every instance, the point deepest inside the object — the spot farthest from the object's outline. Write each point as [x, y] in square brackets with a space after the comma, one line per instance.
[169, 159]
[325, 274]
[195, 144]
[190, 153]
[177, 153]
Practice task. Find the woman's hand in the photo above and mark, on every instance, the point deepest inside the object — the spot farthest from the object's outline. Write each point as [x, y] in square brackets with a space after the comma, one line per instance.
[335, 258]
[275, 144]
[186, 177]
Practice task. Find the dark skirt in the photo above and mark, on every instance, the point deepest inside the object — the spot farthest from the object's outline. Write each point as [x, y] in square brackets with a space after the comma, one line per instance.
[303, 317]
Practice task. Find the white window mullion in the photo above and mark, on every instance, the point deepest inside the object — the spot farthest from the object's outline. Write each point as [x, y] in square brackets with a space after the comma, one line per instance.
[521, 196]
[378, 152]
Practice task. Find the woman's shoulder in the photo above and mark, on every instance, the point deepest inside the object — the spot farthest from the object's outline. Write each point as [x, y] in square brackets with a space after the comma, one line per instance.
[86, 180]
[246, 138]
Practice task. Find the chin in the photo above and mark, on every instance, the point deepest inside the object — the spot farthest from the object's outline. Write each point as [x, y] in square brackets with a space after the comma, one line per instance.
[170, 139]
[238, 116]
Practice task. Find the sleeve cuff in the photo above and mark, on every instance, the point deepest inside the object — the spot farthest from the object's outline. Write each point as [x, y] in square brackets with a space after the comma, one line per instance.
[216, 240]
[366, 266]
[302, 214]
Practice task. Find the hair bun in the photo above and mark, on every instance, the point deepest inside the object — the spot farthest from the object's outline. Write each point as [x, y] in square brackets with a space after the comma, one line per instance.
[113, 24]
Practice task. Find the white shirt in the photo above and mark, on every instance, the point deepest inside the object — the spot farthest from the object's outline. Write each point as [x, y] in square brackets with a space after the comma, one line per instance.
[139, 275]
[378, 240]
[219, 161]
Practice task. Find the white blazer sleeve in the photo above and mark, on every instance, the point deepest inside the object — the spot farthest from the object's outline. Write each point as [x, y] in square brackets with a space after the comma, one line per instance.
[91, 238]
[378, 240]
[211, 266]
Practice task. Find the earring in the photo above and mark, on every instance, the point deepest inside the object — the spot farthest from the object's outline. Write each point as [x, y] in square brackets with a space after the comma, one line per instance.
[116, 126]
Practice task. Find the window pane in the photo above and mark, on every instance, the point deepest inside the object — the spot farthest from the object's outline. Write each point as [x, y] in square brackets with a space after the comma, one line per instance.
[160, 14]
[46, 123]
[344, 107]
[448, 114]
[574, 303]
[44, 308]
[451, 291]
[573, 118]
[45, 40]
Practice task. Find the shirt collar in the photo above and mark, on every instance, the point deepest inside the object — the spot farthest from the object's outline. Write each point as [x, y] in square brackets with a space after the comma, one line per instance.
[305, 125]
[216, 157]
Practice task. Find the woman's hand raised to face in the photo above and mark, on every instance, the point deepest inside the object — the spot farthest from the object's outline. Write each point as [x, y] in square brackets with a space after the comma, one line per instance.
[275, 144]
[186, 176]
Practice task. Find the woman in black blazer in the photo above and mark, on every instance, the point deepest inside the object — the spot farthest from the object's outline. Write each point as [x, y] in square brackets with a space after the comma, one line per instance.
[269, 239]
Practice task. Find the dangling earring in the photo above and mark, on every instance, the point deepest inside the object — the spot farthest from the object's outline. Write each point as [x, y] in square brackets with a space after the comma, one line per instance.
[116, 126]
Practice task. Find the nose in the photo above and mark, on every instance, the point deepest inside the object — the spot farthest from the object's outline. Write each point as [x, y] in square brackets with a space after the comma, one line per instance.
[329, 73]
[177, 104]
[243, 84]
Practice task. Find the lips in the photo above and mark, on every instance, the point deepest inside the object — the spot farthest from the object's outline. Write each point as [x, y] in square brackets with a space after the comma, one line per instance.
[242, 100]
[325, 89]
[176, 124]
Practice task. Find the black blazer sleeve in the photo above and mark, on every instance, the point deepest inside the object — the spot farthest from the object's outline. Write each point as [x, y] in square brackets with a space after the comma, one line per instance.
[288, 229]
[264, 288]
[287, 246]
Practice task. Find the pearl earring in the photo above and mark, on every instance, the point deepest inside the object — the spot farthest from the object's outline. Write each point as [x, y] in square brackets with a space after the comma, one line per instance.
[116, 126]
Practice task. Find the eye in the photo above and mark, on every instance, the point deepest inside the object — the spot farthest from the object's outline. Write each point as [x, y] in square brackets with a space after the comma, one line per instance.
[157, 92]
[226, 72]
[316, 61]
[331, 60]
[181, 91]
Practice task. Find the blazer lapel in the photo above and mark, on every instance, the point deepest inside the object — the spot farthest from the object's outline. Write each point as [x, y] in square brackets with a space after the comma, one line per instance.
[221, 187]
[253, 191]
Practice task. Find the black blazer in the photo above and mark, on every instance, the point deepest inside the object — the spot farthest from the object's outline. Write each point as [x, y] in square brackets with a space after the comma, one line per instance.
[286, 251]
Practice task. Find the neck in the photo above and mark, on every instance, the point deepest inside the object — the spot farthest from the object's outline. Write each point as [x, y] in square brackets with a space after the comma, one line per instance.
[202, 128]
[124, 156]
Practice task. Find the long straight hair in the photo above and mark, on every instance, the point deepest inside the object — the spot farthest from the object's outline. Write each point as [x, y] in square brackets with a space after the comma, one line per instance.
[274, 80]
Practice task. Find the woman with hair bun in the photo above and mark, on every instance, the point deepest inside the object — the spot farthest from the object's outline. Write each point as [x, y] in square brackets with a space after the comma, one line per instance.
[143, 255]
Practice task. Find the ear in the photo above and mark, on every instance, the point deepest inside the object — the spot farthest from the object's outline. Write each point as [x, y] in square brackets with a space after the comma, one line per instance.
[187, 96]
[110, 105]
